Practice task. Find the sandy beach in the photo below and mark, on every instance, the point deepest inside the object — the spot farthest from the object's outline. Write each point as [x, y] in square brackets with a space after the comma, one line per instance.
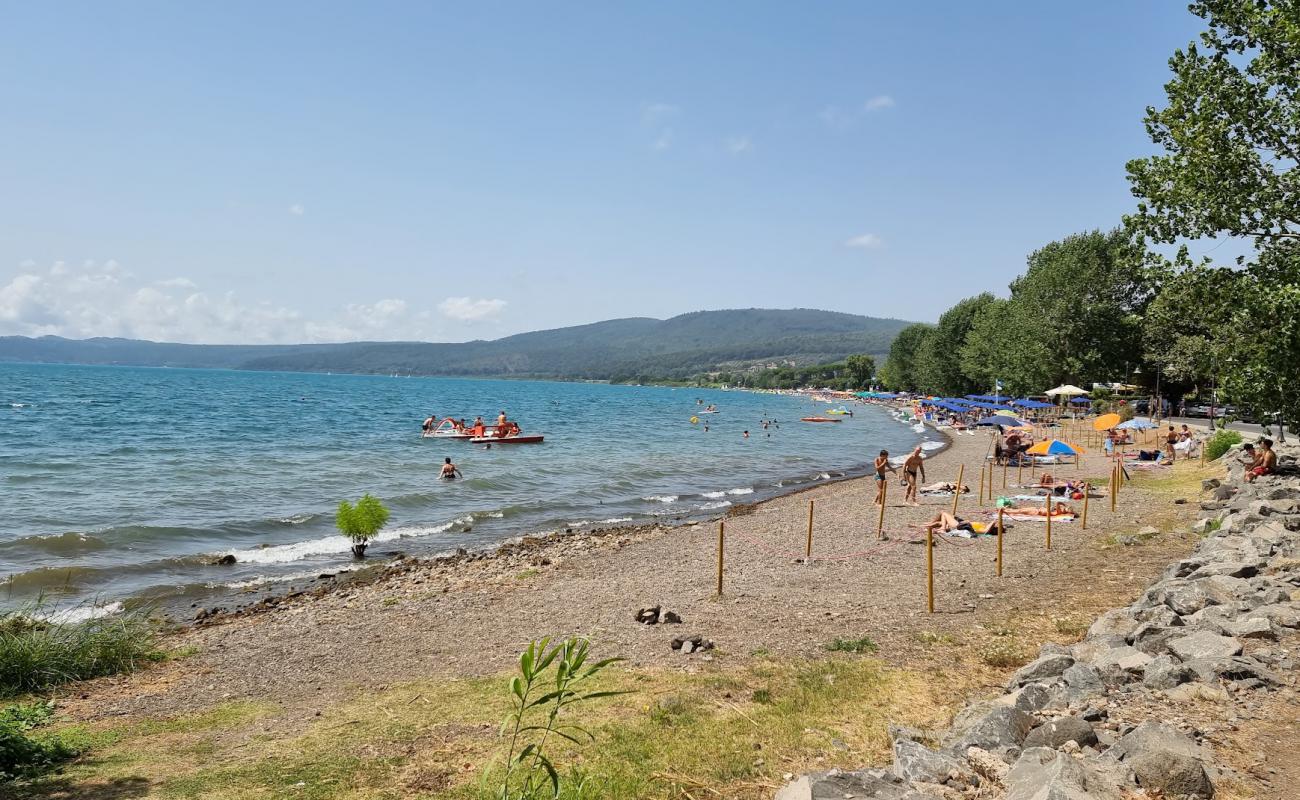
[471, 615]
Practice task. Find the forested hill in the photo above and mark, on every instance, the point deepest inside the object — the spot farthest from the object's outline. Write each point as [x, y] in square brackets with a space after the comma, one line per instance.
[620, 349]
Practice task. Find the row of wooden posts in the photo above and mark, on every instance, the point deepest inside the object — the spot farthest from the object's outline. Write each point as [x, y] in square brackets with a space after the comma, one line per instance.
[1116, 483]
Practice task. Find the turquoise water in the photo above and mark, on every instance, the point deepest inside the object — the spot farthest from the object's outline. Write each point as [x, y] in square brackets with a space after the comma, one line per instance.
[124, 484]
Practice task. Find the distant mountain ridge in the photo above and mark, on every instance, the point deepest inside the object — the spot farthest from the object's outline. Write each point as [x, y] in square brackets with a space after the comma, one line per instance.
[617, 349]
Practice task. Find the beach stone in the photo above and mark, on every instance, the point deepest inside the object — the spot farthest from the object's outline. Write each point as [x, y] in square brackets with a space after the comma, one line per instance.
[1058, 731]
[1223, 589]
[1209, 670]
[1117, 622]
[1043, 667]
[1031, 697]
[916, 762]
[224, 561]
[837, 785]
[1251, 628]
[1154, 639]
[1285, 615]
[1165, 673]
[1126, 658]
[670, 618]
[1204, 644]
[999, 730]
[1163, 759]
[1042, 773]
[1083, 676]
[1231, 569]
[1210, 484]
[1185, 598]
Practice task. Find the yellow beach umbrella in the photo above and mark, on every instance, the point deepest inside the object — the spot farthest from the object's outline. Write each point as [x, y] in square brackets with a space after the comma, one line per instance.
[1105, 422]
[1055, 447]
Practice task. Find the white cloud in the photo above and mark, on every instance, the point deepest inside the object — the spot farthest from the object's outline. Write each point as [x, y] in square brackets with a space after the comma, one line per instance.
[297, 210]
[867, 241]
[104, 300]
[466, 309]
[739, 145]
[664, 140]
[879, 102]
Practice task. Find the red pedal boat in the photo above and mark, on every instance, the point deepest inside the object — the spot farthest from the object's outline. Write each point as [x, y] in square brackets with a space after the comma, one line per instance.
[523, 439]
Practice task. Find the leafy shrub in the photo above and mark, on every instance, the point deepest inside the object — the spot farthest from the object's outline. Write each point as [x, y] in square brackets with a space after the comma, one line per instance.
[23, 755]
[1002, 653]
[863, 645]
[1220, 442]
[361, 522]
[36, 655]
[551, 680]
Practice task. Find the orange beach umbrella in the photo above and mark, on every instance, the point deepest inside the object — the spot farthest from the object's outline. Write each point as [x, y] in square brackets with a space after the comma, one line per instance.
[1055, 447]
[1105, 422]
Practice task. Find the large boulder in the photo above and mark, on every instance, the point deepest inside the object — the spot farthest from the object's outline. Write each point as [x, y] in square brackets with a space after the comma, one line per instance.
[1284, 615]
[916, 762]
[1056, 732]
[1204, 644]
[1041, 668]
[999, 729]
[1045, 774]
[1083, 676]
[1163, 759]
[837, 784]
[1184, 598]
[1165, 673]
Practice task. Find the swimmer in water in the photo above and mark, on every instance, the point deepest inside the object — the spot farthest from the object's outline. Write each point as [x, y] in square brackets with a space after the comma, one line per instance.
[449, 471]
[746, 434]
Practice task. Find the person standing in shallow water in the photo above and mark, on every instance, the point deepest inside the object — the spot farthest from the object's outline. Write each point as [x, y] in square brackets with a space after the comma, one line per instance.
[882, 466]
[449, 471]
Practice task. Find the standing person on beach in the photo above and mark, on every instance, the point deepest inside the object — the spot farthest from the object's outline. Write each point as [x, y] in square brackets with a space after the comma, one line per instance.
[882, 464]
[1171, 439]
[911, 466]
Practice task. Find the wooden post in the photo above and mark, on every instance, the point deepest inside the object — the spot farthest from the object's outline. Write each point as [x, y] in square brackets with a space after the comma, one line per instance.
[880, 526]
[956, 493]
[1049, 519]
[807, 554]
[1005, 463]
[1000, 543]
[722, 527]
[929, 568]
[983, 468]
[1020, 469]
[1114, 488]
[1087, 490]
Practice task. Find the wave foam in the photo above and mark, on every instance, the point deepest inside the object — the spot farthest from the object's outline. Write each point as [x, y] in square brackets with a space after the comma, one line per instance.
[741, 490]
[82, 613]
[661, 498]
[332, 545]
[719, 504]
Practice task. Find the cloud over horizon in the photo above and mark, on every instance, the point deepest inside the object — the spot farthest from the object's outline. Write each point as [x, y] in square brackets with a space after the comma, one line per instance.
[103, 299]
[867, 241]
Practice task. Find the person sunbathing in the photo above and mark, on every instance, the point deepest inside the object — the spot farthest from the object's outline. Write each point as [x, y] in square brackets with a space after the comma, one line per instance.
[943, 522]
[943, 486]
[1037, 510]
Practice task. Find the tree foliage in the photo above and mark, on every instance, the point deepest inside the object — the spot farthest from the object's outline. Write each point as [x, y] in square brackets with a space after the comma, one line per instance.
[899, 372]
[937, 366]
[361, 522]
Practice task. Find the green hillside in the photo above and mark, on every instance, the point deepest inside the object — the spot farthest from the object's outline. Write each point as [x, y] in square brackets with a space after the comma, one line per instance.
[632, 348]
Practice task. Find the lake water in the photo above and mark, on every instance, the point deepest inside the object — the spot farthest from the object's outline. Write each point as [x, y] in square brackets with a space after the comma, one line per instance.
[122, 485]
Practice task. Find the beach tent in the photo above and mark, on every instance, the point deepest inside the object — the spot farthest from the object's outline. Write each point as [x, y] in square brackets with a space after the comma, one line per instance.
[1065, 390]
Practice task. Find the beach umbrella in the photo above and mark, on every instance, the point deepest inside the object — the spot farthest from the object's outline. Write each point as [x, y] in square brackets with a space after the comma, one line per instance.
[1055, 447]
[1080, 400]
[1137, 424]
[1003, 421]
[1066, 390]
[1105, 422]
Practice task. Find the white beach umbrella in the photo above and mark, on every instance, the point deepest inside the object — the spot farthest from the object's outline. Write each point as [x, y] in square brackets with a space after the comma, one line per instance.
[1066, 390]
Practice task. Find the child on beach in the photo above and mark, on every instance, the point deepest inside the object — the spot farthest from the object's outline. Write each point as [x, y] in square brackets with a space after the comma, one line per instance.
[882, 464]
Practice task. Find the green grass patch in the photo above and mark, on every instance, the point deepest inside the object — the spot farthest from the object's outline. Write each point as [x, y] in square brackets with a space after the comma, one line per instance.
[734, 730]
[36, 655]
[862, 645]
[26, 752]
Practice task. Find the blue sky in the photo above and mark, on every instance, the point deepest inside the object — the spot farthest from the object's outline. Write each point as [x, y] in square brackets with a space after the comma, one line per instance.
[321, 171]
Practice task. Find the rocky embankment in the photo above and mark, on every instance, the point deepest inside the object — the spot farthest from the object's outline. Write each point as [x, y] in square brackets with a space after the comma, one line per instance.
[1138, 707]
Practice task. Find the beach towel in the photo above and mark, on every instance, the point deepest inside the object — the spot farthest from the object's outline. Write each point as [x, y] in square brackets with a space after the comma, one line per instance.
[1040, 517]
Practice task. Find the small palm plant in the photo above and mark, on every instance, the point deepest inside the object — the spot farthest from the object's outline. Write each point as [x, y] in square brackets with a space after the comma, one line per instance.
[538, 695]
[361, 522]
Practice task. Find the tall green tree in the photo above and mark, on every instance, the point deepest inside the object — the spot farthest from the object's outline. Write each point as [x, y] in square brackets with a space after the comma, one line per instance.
[861, 370]
[899, 372]
[1231, 140]
[938, 366]
[1002, 346]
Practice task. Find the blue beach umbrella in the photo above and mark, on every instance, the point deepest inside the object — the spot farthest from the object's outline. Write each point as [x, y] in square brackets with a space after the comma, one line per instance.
[1055, 447]
[1003, 421]
[1137, 424]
